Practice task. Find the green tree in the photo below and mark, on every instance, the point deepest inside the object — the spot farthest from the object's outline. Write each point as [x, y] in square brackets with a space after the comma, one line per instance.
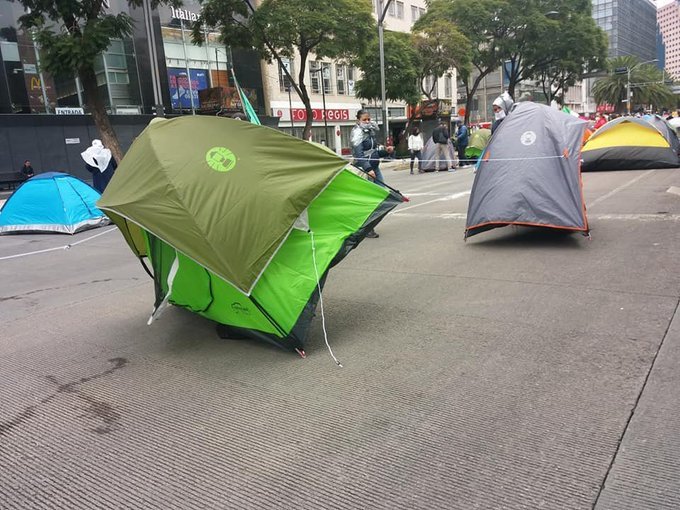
[482, 23]
[440, 47]
[648, 85]
[72, 35]
[401, 69]
[553, 40]
[280, 29]
[576, 46]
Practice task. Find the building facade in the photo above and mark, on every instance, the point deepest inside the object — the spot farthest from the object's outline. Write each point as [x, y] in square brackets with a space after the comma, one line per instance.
[630, 27]
[334, 82]
[669, 24]
[158, 67]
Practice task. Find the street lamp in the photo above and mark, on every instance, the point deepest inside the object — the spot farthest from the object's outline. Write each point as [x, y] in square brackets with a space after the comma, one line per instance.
[382, 12]
[628, 101]
[323, 70]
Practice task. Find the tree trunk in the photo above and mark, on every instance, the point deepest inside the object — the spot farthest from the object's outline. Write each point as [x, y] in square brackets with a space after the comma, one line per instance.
[96, 107]
[304, 95]
[471, 92]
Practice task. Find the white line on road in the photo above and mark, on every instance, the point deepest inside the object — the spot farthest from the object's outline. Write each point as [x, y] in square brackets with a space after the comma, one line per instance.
[448, 197]
[620, 188]
[674, 190]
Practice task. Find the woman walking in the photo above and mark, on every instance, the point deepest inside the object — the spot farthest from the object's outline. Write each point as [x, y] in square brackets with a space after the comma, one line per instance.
[415, 147]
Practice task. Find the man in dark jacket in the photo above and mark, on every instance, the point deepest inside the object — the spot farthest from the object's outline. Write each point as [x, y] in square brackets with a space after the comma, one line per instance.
[462, 140]
[440, 137]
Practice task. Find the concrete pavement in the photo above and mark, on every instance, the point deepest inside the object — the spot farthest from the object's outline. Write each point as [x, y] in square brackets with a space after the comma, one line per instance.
[522, 369]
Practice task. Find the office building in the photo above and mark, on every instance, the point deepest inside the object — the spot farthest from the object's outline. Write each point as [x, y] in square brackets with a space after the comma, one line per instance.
[669, 24]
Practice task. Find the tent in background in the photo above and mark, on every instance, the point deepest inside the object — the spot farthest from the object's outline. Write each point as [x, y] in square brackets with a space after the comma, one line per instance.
[628, 143]
[51, 202]
[666, 130]
[479, 139]
[529, 173]
[241, 223]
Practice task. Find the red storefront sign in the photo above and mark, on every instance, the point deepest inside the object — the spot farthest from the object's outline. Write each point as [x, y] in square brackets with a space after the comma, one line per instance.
[299, 114]
[605, 108]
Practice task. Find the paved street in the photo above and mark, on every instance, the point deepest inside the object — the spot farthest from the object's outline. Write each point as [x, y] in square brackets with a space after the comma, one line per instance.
[522, 369]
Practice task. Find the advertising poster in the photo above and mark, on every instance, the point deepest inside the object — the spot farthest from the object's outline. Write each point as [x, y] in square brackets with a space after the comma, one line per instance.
[180, 92]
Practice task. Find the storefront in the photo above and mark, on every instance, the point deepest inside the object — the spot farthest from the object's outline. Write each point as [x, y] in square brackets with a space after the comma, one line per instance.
[158, 65]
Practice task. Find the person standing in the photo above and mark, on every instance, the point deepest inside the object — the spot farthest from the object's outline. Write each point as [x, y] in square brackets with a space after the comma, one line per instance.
[100, 163]
[415, 147]
[27, 170]
[367, 152]
[462, 140]
[440, 137]
[599, 121]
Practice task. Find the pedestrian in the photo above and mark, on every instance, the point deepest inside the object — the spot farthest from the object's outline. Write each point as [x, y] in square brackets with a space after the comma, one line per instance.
[462, 140]
[440, 137]
[367, 152]
[100, 163]
[415, 147]
[501, 107]
[600, 121]
[27, 170]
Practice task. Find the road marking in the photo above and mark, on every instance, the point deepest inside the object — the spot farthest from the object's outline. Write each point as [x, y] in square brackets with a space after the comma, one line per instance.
[673, 189]
[447, 197]
[620, 188]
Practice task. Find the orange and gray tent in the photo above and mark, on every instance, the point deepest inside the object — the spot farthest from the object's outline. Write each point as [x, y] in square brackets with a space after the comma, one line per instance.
[629, 143]
[240, 223]
[529, 174]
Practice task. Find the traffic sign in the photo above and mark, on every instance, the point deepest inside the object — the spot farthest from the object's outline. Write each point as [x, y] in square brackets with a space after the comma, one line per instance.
[620, 70]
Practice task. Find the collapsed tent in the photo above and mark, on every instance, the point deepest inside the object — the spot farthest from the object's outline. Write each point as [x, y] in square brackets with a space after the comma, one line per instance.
[241, 223]
[529, 173]
[628, 143]
[479, 139]
[51, 202]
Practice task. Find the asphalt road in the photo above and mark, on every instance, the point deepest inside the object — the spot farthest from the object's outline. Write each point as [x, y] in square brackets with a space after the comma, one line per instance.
[523, 369]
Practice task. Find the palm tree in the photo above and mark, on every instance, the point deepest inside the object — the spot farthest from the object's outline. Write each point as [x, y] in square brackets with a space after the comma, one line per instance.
[647, 84]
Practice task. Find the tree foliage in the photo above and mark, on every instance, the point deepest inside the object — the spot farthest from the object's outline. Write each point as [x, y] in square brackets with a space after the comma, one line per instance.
[576, 46]
[440, 47]
[72, 35]
[280, 29]
[648, 85]
[402, 68]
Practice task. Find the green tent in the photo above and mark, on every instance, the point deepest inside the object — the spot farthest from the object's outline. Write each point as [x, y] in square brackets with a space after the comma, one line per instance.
[232, 218]
[478, 142]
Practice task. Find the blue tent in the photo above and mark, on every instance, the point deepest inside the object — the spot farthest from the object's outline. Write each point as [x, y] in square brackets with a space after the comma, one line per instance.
[51, 202]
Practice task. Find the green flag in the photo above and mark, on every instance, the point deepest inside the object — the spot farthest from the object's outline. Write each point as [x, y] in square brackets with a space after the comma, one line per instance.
[247, 107]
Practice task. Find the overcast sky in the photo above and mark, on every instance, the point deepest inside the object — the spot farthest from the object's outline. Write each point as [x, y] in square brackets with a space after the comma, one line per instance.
[660, 3]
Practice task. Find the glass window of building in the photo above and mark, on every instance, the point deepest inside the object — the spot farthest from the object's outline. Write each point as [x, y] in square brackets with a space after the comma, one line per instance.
[284, 81]
[327, 77]
[350, 80]
[340, 79]
[447, 86]
[314, 79]
[415, 13]
[392, 10]
[400, 10]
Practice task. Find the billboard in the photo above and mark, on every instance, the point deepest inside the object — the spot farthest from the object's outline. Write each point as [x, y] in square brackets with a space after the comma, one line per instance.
[180, 92]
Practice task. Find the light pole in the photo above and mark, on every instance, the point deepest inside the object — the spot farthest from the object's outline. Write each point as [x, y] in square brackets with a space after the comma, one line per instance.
[382, 12]
[628, 99]
[290, 111]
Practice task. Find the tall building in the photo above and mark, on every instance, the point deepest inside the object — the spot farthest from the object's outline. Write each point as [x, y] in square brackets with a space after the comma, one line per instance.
[669, 23]
[630, 26]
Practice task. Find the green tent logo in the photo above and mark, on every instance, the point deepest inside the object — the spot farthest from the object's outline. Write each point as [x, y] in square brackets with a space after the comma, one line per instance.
[220, 159]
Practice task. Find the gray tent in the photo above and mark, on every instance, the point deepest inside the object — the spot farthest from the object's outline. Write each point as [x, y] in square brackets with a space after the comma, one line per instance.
[530, 173]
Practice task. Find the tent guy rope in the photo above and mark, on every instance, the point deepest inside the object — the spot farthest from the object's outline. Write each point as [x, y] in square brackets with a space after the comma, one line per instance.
[57, 248]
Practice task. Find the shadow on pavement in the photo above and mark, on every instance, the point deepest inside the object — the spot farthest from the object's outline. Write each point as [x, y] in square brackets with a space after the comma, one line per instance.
[529, 237]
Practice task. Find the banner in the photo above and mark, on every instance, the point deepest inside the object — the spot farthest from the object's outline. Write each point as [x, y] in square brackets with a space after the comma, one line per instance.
[180, 93]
